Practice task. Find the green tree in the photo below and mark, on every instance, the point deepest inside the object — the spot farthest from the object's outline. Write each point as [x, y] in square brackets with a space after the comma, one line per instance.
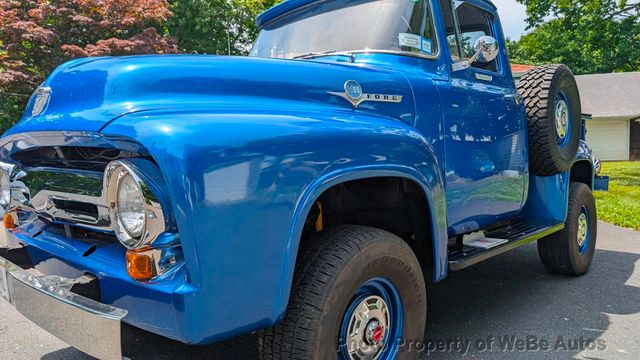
[38, 35]
[591, 36]
[515, 51]
[216, 26]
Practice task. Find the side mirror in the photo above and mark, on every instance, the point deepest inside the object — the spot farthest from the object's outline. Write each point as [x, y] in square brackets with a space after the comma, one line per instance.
[486, 48]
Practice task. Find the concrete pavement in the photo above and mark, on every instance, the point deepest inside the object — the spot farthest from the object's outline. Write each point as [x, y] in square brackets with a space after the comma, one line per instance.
[487, 311]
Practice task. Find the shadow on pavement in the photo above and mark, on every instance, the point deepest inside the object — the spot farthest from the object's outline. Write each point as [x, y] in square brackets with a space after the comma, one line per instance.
[513, 295]
[509, 295]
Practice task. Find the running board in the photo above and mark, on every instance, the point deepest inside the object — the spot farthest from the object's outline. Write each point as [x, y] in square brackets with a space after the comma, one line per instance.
[518, 232]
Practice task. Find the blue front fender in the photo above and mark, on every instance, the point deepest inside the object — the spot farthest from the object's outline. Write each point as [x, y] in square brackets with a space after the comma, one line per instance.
[241, 186]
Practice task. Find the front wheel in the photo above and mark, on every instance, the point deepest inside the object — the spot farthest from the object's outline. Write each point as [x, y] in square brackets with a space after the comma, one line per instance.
[570, 251]
[358, 293]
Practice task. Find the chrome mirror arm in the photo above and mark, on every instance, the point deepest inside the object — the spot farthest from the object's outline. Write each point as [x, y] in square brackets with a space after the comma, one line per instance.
[461, 65]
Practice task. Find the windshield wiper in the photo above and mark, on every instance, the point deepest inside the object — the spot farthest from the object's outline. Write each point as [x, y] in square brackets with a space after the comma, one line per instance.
[315, 54]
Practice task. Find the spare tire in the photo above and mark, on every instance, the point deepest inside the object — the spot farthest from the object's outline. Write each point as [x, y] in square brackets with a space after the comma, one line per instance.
[552, 103]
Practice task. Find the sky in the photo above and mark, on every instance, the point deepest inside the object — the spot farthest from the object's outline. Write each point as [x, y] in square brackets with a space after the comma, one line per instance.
[512, 16]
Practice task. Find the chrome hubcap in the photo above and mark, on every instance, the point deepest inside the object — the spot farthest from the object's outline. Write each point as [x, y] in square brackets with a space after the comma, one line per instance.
[368, 328]
[374, 333]
[582, 229]
[562, 118]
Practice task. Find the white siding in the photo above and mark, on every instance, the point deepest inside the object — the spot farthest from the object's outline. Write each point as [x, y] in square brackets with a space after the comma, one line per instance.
[609, 139]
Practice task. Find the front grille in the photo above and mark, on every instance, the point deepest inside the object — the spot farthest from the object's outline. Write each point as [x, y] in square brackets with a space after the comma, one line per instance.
[64, 185]
[77, 208]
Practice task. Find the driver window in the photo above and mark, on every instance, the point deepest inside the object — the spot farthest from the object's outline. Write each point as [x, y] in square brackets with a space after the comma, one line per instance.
[463, 29]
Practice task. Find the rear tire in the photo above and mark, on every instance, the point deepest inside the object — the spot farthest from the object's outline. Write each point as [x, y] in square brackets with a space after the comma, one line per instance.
[554, 118]
[345, 274]
[570, 251]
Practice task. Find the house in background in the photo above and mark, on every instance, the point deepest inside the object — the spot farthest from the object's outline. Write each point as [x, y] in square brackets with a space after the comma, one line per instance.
[518, 70]
[614, 102]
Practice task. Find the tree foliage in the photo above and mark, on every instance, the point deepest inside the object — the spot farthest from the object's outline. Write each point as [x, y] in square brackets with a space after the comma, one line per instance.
[38, 35]
[216, 26]
[591, 36]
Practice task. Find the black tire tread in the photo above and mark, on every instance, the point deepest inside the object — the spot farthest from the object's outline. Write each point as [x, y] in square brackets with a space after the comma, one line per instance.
[321, 261]
[554, 250]
[534, 87]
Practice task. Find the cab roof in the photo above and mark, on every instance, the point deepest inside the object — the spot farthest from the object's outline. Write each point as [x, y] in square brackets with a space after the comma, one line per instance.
[288, 5]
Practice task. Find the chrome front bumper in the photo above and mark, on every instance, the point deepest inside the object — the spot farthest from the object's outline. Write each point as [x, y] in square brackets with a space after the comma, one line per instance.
[85, 324]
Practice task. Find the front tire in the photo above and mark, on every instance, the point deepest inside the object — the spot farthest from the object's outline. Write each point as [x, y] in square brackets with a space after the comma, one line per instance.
[357, 291]
[570, 251]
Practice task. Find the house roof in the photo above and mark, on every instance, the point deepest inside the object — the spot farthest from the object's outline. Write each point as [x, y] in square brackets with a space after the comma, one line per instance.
[615, 95]
[519, 69]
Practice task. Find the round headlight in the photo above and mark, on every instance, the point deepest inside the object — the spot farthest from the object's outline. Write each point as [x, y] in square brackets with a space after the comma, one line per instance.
[134, 202]
[131, 208]
[5, 189]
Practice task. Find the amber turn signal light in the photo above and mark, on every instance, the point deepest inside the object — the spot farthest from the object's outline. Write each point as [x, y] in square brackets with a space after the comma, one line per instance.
[8, 221]
[139, 265]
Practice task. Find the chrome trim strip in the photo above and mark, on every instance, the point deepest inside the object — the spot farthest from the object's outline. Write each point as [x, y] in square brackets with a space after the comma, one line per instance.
[23, 141]
[393, 52]
[87, 325]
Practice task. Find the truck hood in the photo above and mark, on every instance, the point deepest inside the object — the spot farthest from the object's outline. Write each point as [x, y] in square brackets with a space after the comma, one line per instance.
[87, 94]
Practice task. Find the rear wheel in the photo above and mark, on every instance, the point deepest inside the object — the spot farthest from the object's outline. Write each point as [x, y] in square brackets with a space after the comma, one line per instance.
[552, 103]
[570, 251]
[358, 294]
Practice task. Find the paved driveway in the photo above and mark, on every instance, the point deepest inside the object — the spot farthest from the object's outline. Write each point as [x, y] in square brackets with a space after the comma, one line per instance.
[510, 299]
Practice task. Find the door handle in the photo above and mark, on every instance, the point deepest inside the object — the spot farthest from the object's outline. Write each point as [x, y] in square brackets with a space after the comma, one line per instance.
[517, 98]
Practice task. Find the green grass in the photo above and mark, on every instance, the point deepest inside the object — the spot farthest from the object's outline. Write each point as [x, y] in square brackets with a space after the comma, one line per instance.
[621, 204]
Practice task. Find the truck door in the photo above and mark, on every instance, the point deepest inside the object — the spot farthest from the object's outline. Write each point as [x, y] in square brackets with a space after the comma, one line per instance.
[483, 122]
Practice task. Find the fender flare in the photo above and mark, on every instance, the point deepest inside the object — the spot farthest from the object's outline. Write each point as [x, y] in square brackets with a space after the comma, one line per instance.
[434, 196]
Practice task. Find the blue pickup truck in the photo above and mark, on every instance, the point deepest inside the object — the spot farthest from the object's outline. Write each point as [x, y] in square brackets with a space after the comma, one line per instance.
[311, 192]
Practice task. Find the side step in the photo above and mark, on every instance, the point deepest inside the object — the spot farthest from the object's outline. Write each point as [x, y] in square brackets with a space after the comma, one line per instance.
[518, 232]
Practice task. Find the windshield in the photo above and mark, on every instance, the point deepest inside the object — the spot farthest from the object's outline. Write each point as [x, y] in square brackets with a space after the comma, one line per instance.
[343, 25]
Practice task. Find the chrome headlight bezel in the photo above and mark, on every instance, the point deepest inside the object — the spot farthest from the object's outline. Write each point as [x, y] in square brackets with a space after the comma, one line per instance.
[7, 173]
[154, 216]
[5, 188]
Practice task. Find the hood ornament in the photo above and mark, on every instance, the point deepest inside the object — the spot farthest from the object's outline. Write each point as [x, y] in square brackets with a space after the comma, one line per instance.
[353, 94]
[43, 94]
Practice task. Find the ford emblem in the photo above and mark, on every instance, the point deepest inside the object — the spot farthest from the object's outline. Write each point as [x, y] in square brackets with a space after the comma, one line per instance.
[353, 89]
[353, 94]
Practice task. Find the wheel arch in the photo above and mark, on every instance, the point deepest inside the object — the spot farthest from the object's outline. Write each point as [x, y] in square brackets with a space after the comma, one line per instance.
[433, 193]
[582, 171]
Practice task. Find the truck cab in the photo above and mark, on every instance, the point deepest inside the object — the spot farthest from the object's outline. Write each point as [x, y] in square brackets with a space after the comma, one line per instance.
[310, 191]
